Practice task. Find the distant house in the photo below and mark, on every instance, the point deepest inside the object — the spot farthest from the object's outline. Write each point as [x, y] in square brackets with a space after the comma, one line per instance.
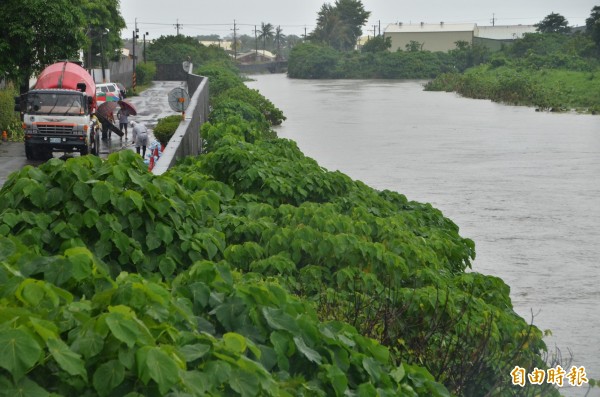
[431, 37]
[494, 37]
[224, 44]
[258, 56]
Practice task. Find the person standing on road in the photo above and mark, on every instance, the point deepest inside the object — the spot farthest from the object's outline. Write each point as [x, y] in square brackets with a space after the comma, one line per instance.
[139, 134]
[123, 116]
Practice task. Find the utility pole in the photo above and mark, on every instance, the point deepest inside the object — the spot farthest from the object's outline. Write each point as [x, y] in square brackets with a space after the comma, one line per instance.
[178, 26]
[135, 37]
[379, 34]
[145, 34]
[493, 20]
[304, 33]
[234, 40]
[255, 45]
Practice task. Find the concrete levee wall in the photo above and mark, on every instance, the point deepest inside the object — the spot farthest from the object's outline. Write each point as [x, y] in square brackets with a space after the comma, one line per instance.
[186, 141]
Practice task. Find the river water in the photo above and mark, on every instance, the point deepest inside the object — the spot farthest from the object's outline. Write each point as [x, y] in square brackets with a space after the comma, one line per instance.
[524, 185]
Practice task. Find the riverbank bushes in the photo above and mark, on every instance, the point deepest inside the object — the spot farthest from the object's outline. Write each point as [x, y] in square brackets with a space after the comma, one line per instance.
[549, 71]
[249, 270]
[312, 61]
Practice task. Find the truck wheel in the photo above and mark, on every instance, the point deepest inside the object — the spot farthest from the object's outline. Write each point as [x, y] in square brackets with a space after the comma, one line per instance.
[29, 152]
[42, 154]
[84, 151]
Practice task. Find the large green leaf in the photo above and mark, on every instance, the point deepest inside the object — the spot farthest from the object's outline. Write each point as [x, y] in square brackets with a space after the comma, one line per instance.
[162, 369]
[126, 329]
[338, 379]
[108, 376]
[309, 353]
[66, 358]
[235, 343]
[19, 351]
[280, 320]
[7, 248]
[101, 193]
[194, 352]
[246, 384]
[24, 388]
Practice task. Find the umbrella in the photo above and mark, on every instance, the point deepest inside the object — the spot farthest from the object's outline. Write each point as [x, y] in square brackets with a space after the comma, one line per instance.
[106, 109]
[129, 107]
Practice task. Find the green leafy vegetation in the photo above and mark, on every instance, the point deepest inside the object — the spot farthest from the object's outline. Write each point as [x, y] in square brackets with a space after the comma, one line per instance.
[9, 119]
[38, 33]
[166, 127]
[249, 270]
[145, 72]
[550, 71]
[180, 48]
[314, 61]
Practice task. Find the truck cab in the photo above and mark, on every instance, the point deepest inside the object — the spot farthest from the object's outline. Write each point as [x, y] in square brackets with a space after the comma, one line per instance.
[57, 112]
[56, 120]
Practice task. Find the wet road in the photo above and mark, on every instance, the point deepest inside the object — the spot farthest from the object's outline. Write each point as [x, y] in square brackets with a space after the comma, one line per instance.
[152, 105]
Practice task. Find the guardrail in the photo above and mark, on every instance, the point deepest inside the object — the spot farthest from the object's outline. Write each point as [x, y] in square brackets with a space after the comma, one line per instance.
[186, 140]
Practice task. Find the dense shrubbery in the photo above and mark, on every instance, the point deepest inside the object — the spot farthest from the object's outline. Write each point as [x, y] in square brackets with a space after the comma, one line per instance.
[550, 71]
[252, 97]
[180, 48]
[9, 119]
[166, 127]
[145, 72]
[311, 61]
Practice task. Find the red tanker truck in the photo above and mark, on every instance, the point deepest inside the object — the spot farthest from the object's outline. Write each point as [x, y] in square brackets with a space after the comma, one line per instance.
[56, 113]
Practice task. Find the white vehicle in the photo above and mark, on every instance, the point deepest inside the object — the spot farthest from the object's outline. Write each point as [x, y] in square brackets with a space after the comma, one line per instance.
[108, 92]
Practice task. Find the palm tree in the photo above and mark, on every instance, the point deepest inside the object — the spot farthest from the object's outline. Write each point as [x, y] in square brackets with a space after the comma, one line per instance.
[279, 39]
[266, 32]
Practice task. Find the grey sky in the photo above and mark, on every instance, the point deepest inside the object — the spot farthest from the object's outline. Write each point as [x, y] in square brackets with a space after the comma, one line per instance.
[158, 17]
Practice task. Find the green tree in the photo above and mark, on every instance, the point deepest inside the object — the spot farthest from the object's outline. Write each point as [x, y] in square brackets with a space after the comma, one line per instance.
[377, 44]
[340, 25]
[279, 40]
[266, 33]
[553, 23]
[103, 30]
[592, 25]
[36, 33]
[414, 46]
[176, 49]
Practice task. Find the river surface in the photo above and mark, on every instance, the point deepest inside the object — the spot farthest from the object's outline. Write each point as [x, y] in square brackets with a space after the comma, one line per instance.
[524, 185]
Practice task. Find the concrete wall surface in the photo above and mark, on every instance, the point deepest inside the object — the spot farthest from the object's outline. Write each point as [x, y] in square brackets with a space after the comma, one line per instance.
[186, 141]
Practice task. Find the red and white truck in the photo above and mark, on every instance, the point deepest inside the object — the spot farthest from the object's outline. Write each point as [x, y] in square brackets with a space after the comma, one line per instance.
[57, 112]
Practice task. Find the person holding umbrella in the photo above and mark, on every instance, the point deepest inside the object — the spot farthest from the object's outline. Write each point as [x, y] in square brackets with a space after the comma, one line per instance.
[123, 115]
[127, 109]
[139, 134]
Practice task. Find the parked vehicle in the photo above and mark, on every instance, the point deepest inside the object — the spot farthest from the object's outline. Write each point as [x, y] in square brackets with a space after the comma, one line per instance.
[108, 92]
[56, 113]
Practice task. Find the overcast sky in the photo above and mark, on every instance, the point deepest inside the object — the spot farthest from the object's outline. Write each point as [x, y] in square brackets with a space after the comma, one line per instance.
[159, 17]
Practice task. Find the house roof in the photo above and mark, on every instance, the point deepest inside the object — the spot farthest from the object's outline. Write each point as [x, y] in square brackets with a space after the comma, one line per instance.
[430, 27]
[224, 44]
[264, 53]
[504, 32]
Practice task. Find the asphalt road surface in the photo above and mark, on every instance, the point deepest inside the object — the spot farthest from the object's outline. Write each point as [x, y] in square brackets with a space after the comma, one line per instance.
[152, 104]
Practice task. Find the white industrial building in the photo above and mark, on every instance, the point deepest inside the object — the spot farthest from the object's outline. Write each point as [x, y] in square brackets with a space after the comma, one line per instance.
[443, 36]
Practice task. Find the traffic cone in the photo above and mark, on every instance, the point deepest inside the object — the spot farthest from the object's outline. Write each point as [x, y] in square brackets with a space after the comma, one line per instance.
[4, 136]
